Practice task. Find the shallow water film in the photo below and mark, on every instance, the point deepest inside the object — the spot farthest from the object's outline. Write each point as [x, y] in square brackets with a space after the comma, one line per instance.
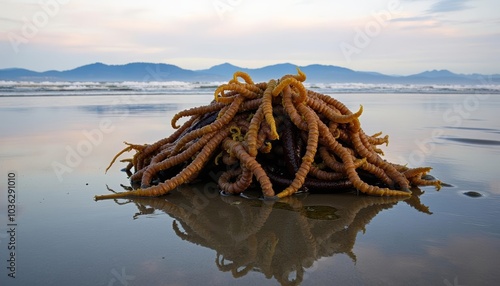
[54, 150]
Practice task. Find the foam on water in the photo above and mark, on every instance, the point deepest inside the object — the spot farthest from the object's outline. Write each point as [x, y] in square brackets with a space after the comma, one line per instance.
[49, 88]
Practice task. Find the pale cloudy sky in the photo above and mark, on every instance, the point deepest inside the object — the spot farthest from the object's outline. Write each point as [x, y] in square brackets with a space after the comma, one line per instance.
[389, 36]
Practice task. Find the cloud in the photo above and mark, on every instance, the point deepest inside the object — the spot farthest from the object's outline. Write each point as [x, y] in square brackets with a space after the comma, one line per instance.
[250, 33]
[442, 6]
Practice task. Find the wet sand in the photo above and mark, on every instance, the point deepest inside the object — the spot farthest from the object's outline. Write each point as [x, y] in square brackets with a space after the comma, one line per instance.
[57, 149]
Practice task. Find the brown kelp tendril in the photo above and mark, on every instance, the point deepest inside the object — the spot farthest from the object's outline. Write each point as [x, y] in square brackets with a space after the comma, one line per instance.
[322, 146]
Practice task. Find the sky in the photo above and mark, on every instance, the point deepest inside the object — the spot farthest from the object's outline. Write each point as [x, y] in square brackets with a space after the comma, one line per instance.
[397, 37]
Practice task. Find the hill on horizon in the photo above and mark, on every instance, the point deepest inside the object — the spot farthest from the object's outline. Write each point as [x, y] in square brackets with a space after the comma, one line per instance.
[316, 73]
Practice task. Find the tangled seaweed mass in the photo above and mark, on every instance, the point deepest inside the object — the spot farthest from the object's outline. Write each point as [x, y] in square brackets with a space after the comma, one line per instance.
[284, 136]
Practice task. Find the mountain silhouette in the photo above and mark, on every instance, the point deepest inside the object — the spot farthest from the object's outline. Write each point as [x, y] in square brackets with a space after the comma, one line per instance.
[316, 73]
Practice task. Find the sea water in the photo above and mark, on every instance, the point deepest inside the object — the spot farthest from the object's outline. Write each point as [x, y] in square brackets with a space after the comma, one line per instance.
[58, 138]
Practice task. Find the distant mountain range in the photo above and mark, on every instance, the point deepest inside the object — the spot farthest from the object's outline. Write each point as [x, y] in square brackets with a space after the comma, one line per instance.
[166, 72]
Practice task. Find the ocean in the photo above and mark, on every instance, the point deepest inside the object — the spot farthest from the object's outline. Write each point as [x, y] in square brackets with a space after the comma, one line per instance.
[59, 137]
[51, 88]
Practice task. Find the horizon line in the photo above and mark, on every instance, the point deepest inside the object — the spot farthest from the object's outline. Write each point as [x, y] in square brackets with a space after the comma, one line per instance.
[284, 63]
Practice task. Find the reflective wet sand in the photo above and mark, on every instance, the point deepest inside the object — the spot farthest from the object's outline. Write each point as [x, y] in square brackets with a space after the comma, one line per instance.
[59, 147]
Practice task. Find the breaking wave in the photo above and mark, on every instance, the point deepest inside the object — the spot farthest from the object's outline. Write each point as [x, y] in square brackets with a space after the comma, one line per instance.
[28, 88]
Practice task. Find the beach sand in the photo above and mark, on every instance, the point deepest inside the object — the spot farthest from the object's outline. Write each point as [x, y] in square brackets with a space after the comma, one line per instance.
[54, 151]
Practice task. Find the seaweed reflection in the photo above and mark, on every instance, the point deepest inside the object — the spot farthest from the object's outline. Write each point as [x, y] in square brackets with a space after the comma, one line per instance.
[279, 239]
